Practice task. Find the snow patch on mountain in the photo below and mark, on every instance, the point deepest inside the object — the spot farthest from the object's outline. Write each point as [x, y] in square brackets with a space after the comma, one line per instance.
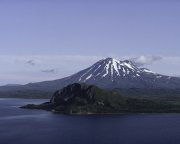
[147, 70]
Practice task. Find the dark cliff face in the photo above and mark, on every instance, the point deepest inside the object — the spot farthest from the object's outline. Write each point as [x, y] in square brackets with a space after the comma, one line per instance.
[69, 94]
[81, 99]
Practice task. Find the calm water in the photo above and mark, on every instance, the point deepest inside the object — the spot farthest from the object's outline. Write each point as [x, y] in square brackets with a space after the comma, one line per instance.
[20, 126]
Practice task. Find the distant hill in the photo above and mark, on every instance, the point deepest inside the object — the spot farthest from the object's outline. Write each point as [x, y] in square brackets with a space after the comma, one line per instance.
[13, 85]
[88, 99]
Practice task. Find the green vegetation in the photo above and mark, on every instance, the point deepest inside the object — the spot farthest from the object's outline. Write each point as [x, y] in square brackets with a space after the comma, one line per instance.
[88, 99]
[161, 95]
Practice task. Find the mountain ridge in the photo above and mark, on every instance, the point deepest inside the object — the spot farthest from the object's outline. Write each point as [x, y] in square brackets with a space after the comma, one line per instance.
[107, 73]
[111, 73]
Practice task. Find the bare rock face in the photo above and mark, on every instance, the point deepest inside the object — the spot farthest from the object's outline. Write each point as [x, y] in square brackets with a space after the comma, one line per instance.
[81, 99]
[70, 93]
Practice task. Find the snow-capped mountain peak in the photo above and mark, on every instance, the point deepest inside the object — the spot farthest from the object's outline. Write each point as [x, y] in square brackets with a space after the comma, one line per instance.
[113, 74]
[109, 68]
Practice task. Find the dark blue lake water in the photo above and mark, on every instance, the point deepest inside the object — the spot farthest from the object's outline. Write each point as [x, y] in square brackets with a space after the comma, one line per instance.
[20, 126]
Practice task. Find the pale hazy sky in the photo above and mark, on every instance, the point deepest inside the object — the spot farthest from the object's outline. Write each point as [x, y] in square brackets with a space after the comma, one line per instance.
[49, 39]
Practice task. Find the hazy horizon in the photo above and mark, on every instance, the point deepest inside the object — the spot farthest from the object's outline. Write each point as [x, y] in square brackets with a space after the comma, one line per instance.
[44, 40]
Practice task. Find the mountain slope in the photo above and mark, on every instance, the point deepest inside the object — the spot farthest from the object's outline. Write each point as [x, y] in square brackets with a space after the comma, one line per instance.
[110, 73]
[107, 73]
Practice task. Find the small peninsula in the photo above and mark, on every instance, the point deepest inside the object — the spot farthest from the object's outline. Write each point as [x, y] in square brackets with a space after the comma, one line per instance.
[89, 99]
